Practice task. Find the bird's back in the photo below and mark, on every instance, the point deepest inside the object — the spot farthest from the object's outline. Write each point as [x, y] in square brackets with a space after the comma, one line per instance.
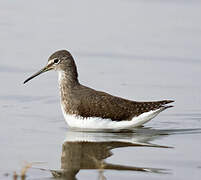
[92, 103]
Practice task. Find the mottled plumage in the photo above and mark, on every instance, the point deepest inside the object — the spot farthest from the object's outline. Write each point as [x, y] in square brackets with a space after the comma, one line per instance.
[88, 102]
[85, 102]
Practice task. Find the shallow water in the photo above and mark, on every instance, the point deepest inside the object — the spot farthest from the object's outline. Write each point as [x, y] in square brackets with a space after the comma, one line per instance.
[141, 50]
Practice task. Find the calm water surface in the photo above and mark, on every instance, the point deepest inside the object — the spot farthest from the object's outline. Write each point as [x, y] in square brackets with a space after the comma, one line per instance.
[141, 50]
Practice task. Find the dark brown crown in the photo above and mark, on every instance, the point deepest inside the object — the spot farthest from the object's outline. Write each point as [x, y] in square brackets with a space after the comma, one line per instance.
[60, 54]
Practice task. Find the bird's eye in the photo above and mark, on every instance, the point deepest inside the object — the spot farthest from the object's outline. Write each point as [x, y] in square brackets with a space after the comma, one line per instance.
[56, 61]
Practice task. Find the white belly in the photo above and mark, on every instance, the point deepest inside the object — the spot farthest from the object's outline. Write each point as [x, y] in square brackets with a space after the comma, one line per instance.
[98, 124]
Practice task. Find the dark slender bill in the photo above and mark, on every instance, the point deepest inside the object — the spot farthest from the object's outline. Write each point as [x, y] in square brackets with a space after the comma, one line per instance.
[36, 74]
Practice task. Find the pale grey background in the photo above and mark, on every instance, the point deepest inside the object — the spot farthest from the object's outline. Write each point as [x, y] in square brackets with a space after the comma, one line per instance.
[137, 49]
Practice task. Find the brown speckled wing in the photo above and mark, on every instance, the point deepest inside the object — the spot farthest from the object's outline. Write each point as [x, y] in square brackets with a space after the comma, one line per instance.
[99, 104]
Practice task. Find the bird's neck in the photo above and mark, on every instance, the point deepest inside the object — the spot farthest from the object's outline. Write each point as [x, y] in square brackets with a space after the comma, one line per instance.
[68, 80]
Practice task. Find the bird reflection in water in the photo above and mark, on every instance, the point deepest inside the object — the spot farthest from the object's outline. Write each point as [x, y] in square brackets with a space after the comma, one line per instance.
[87, 150]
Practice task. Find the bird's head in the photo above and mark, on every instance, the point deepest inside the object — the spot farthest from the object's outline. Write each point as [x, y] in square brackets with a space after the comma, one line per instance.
[59, 61]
